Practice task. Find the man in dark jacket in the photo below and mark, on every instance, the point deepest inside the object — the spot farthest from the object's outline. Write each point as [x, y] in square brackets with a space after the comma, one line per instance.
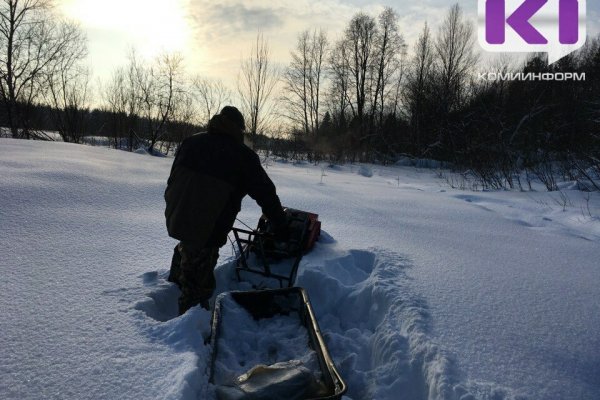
[211, 174]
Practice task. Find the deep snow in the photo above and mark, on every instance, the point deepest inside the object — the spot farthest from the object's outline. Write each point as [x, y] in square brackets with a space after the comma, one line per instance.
[246, 348]
[421, 291]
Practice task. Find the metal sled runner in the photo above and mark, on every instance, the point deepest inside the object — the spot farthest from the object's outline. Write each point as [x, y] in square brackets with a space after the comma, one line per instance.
[304, 228]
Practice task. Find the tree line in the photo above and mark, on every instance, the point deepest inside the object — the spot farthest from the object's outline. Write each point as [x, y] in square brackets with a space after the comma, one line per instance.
[45, 86]
[364, 96]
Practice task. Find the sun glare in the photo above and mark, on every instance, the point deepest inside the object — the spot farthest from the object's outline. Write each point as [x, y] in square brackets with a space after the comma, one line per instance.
[151, 26]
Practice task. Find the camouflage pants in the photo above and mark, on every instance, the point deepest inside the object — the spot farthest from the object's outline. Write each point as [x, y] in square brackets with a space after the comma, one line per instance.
[194, 274]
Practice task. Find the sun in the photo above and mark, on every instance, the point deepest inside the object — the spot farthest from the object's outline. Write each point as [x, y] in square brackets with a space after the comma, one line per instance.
[150, 26]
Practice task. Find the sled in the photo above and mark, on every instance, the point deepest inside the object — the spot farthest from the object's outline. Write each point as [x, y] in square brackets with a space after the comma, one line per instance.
[260, 254]
[271, 384]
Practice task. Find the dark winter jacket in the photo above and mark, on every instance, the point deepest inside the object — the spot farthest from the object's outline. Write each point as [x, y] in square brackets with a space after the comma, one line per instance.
[211, 174]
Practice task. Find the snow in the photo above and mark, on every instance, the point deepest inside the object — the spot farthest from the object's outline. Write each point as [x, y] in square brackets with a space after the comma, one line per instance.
[244, 342]
[421, 291]
[365, 171]
[253, 353]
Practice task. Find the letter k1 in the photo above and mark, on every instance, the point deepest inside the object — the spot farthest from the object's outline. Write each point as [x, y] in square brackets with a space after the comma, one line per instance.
[495, 21]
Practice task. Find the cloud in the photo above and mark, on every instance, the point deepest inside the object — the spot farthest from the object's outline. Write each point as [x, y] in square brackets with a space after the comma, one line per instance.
[237, 19]
[224, 31]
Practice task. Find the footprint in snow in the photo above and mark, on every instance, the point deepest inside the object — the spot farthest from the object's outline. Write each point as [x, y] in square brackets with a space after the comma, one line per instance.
[352, 269]
[160, 303]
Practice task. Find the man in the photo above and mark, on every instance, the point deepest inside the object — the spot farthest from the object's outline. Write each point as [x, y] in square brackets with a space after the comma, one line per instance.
[211, 174]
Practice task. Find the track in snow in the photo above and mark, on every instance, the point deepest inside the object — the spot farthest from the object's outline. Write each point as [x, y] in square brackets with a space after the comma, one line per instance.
[376, 329]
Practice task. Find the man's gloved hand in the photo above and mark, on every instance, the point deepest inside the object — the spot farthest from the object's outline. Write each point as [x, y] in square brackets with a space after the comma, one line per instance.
[282, 233]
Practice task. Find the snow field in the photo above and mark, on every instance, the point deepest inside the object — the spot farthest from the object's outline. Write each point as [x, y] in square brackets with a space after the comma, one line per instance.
[421, 291]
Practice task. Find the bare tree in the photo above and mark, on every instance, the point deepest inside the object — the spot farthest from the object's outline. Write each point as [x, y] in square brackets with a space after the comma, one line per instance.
[454, 46]
[360, 38]
[318, 55]
[303, 81]
[211, 94]
[159, 86]
[30, 43]
[295, 79]
[397, 84]
[419, 79]
[115, 102]
[68, 96]
[389, 55]
[353, 66]
[122, 99]
[339, 72]
[256, 82]
[359, 59]
[184, 120]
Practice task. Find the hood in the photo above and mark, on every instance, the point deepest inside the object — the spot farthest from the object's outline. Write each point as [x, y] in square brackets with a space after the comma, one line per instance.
[223, 126]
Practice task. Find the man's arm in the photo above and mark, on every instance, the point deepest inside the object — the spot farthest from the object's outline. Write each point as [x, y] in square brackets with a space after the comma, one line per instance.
[260, 187]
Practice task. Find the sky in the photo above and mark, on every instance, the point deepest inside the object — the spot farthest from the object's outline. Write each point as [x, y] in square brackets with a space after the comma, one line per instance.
[214, 36]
